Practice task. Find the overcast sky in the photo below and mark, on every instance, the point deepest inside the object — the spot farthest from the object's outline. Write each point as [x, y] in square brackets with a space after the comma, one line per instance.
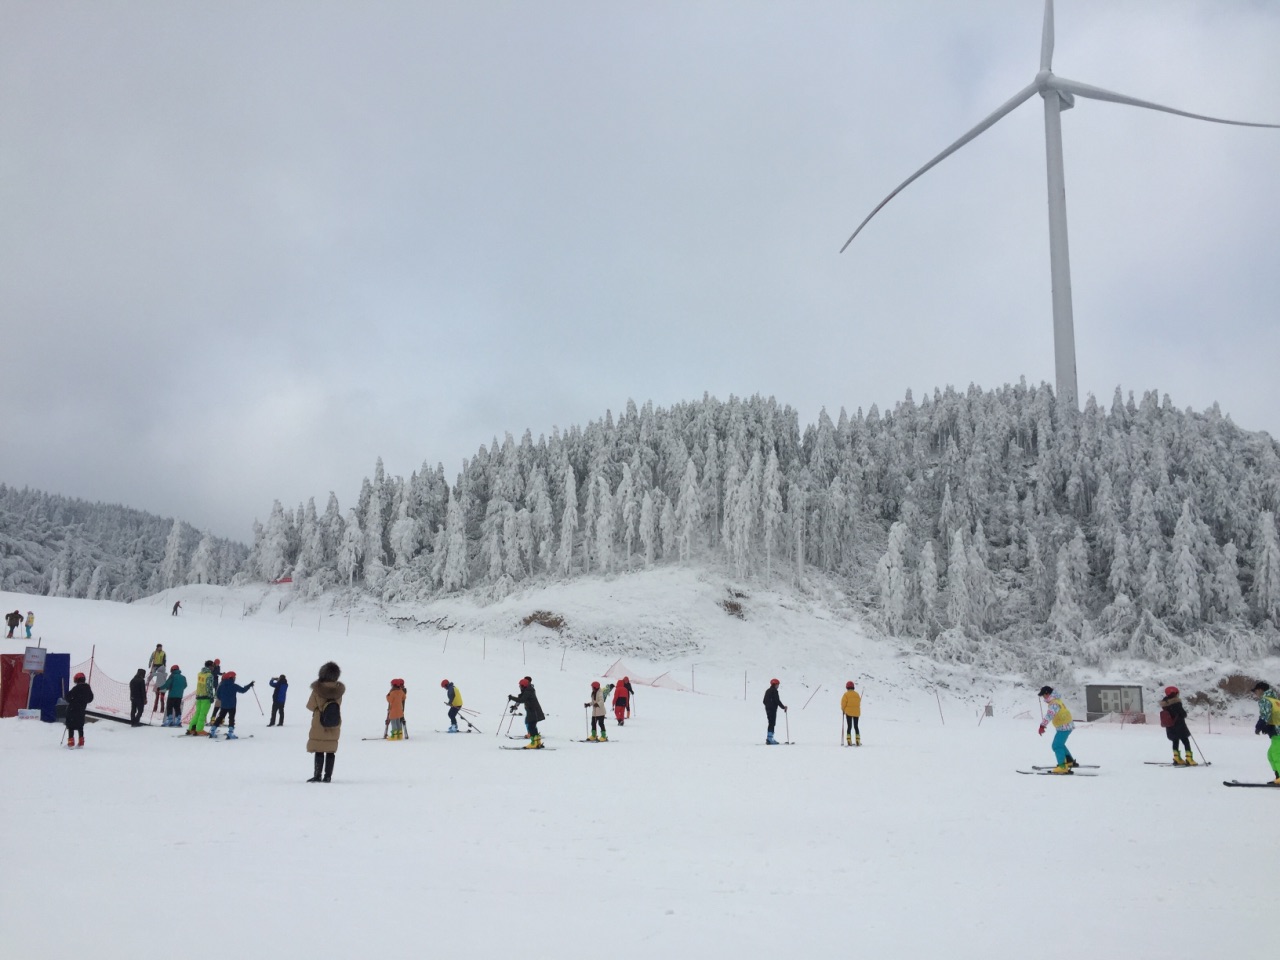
[246, 248]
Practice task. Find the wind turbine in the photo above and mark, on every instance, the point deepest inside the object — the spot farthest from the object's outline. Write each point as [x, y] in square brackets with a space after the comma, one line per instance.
[1059, 94]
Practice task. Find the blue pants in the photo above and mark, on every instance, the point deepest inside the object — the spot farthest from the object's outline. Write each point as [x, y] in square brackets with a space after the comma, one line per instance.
[1060, 746]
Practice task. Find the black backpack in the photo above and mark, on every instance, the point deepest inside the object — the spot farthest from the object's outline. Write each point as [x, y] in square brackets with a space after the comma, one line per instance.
[330, 715]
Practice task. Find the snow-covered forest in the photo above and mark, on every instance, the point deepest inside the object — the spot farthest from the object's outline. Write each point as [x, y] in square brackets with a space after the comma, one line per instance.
[988, 526]
[62, 547]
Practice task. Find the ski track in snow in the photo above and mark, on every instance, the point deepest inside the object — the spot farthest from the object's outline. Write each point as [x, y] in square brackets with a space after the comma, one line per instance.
[683, 839]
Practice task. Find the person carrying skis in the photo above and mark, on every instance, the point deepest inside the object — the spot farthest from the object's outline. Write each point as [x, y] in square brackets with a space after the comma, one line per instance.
[1269, 722]
[325, 705]
[395, 709]
[622, 695]
[851, 707]
[205, 689]
[1059, 716]
[227, 691]
[31, 622]
[772, 701]
[137, 697]
[452, 700]
[1173, 717]
[279, 690]
[596, 703]
[176, 686]
[533, 715]
[78, 699]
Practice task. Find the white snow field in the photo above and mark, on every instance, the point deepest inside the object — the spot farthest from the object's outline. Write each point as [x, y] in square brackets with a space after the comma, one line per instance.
[684, 836]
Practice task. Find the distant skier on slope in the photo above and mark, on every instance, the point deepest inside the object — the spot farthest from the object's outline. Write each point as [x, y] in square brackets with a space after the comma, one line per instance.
[533, 715]
[622, 695]
[227, 691]
[1269, 722]
[452, 700]
[78, 699]
[772, 701]
[851, 707]
[1059, 716]
[177, 605]
[596, 703]
[1173, 717]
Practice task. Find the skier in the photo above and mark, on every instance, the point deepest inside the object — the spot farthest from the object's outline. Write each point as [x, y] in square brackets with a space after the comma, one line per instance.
[215, 669]
[1269, 722]
[325, 700]
[176, 686]
[78, 699]
[12, 619]
[1058, 715]
[851, 707]
[1173, 717]
[157, 662]
[622, 695]
[137, 697]
[452, 700]
[533, 715]
[395, 708]
[31, 622]
[205, 689]
[280, 689]
[596, 703]
[177, 605]
[771, 704]
[227, 691]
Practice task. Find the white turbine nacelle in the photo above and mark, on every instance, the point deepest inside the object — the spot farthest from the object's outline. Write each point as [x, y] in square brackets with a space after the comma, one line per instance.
[1059, 94]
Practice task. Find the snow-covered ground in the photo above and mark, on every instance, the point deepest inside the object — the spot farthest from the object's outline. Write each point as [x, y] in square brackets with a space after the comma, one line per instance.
[684, 836]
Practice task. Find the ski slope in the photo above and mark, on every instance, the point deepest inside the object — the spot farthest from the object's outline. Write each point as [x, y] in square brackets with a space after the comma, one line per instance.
[684, 836]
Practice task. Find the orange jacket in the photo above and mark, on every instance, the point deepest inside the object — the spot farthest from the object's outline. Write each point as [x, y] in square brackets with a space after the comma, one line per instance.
[395, 703]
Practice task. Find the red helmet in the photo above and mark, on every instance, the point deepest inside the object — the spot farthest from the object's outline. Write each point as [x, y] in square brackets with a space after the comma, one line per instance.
[229, 675]
[217, 661]
[848, 685]
[524, 682]
[397, 682]
[626, 679]
[774, 682]
[174, 668]
[1170, 691]
[78, 677]
[444, 684]
[595, 684]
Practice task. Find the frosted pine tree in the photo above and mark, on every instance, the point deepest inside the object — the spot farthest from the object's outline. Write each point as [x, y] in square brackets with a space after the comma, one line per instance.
[172, 568]
[891, 579]
[670, 532]
[375, 570]
[1185, 572]
[648, 529]
[771, 512]
[273, 553]
[604, 527]
[455, 571]
[203, 562]
[351, 549]
[405, 537]
[1266, 569]
[568, 522]
[928, 585]
[688, 512]
[628, 512]
[959, 607]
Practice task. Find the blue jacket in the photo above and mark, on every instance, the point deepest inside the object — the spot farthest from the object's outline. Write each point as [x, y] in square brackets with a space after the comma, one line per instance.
[227, 691]
[281, 690]
[176, 685]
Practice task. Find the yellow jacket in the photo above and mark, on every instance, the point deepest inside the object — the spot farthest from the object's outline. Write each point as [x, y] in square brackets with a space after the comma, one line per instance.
[851, 703]
[1057, 714]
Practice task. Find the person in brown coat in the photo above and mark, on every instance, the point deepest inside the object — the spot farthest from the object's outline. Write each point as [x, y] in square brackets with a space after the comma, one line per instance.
[326, 720]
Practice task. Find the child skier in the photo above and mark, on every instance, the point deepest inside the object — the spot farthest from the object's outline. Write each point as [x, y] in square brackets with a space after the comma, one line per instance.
[31, 622]
[452, 700]
[175, 687]
[851, 707]
[772, 701]
[1269, 722]
[395, 709]
[622, 695]
[78, 699]
[326, 691]
[1173, 717]
[533, 714]
[205, 689]
[1058, 715]
[279, 690]
[227, 691]
[596, 703]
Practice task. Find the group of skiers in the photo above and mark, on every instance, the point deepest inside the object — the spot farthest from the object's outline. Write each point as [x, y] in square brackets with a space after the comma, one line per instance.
[14, 620]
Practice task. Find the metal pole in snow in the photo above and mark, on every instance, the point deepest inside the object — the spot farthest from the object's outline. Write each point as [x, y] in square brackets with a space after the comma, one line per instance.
[811, 696]
[744, 685]
[563, 651]
[446, 641]
[939, 699]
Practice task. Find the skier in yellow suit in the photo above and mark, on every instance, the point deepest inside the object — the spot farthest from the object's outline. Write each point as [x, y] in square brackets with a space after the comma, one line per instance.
[851, 707]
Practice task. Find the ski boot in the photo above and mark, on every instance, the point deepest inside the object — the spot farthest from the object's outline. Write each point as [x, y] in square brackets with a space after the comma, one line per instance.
[1063, 767]
[1177, 759]
[604, 736]
[593, 738]
[769, 739]
[81, 743]
[231, 733]
[71, 741]
[535, 742]
[453, 728]
[1191, 761]
[1072, 763]
[848, 740]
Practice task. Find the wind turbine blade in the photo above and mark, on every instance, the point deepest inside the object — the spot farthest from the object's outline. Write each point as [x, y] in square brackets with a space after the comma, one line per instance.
[1097, 93]
[1046, 38]
[1023, 95]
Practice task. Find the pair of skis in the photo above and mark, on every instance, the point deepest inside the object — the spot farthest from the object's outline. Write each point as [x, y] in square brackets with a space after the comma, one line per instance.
[1079, 770]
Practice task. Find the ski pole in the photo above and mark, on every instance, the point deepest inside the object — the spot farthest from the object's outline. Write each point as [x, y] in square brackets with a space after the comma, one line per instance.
[386, 726]
[1198, 750]
[786, 715]
[586, 720]
[404, 727]
[259, 702]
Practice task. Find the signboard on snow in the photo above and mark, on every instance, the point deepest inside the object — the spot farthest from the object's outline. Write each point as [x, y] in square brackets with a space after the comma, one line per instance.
[33, 659]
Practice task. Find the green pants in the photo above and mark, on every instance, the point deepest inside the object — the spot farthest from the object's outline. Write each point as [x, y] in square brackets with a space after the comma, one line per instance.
[1273, 754]
[202, 711]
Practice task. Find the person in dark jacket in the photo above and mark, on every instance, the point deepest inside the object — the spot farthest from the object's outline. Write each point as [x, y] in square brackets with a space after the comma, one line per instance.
[771, 704]
[622, 695]
[13, 619]
[175, 687]
[1173, 717]
[323, 741]
[78, 699]
[533, 715]
[227, 691]
[137, 696]
[279, 690]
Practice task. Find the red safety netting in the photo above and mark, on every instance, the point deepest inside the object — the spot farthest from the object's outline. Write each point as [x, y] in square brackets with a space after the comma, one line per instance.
[618, 670]
[111, 696]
